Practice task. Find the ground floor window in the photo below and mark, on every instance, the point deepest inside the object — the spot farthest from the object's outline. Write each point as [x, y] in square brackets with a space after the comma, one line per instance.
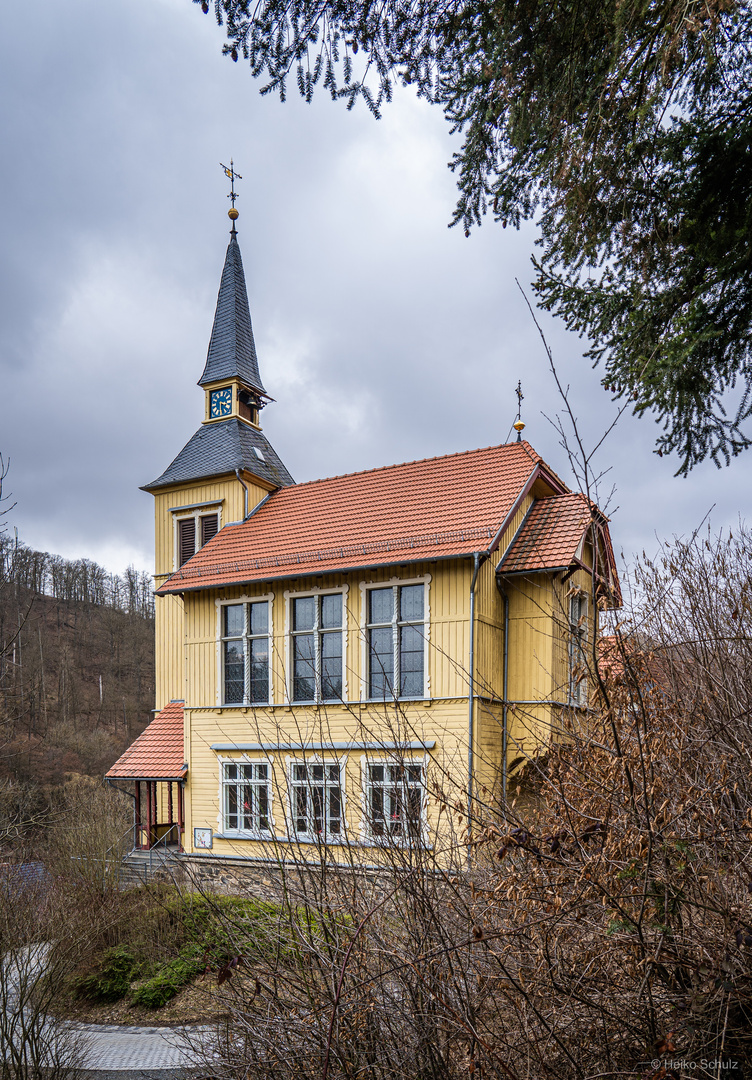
[394, 796]
[245, 797]
[393, 799]
[316, 799]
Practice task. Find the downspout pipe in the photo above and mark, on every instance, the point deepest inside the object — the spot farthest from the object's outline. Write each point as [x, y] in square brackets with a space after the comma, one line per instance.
[130, 796]
[471, 701]
[505, 692]
[244, 486]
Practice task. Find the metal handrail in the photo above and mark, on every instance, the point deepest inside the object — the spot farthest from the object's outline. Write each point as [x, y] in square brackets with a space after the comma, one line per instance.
[157, 852]
[103, 858]
[163, 842]
[113, 846]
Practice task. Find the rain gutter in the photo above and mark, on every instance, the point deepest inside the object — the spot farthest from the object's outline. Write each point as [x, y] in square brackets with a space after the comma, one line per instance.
[478, 556]
[243, 484]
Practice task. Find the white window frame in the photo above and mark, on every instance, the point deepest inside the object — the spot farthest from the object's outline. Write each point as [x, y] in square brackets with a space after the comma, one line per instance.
[289, 597]
[394, 583]
[255, 833]
[405, 839]
[246, 703]
[293, 784]
[196, 512]
[577, 676]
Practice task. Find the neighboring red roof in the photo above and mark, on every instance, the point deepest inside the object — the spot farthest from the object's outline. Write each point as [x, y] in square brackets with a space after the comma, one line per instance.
[612, 652]
[624, 659]
[439, 507]
[550, 535]
[157, 754]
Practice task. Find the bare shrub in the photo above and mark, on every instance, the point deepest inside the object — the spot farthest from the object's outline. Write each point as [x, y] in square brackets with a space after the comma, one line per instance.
[24, 811]
[38, 949]
[93, 832]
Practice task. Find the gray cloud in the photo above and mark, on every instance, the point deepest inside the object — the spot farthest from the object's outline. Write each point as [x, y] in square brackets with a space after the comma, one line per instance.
[383, 335]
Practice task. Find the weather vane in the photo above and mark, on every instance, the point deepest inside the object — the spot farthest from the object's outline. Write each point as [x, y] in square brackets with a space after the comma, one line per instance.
[232, 176]
[519, 423]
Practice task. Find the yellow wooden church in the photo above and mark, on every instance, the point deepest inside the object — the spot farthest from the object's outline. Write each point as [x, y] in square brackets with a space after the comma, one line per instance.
[339, 661]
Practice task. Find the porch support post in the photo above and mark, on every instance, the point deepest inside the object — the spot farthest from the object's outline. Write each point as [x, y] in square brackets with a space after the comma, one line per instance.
[137, 815]
[169, 808]
[180, 816]
[149, 814]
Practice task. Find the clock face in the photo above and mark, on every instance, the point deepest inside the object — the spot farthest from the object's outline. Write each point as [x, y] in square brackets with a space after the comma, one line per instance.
[220, 402]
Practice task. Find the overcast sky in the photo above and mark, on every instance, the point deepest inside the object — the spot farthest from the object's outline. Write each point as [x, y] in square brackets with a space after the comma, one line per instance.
[383, 335]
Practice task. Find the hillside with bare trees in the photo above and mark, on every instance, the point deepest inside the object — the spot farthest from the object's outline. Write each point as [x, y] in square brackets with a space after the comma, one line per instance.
[76, 663]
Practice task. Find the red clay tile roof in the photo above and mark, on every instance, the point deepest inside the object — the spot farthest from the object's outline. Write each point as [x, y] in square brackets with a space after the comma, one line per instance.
[550, 534]
[550, 537]
[157, 754]
[439, 507]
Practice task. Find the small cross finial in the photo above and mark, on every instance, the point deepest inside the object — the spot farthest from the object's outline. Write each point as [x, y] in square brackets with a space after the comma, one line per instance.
[519, 424]
[232, 176]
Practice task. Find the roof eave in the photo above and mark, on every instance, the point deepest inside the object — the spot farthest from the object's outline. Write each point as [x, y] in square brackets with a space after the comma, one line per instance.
[172, 778]
[535, 570]
[226, 474]
[162, 591]
[209, 384]
[613, 594]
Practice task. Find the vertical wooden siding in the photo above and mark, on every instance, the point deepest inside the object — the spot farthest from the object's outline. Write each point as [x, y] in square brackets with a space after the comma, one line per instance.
[169, 627]
[537, 671]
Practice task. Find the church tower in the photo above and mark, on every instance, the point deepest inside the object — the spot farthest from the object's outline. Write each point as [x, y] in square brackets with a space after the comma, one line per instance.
[225, 469]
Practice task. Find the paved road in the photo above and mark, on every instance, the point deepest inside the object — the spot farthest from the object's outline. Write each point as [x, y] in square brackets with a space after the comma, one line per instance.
[107, 1051]
[137, 1051]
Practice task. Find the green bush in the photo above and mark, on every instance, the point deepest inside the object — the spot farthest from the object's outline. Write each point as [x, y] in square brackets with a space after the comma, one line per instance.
[227, 925]
[196, 932]
[170, 979]
[111, 979]
[211, 931]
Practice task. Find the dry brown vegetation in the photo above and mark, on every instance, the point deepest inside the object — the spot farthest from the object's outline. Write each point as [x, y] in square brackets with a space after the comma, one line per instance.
[55, 913]
[607, 931]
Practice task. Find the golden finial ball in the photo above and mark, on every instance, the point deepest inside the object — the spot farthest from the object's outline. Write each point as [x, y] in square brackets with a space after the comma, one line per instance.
[519, 425]
[233, 214]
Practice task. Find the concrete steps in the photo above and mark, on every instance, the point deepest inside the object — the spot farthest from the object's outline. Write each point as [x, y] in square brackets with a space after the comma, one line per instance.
[140, 867]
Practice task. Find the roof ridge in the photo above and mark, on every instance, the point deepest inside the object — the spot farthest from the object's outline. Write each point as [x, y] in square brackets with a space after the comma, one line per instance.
[565, 495]
[531, 453]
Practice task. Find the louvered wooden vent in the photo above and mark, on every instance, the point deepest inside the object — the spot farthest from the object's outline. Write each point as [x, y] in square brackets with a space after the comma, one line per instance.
[187, 539]
[209, 526]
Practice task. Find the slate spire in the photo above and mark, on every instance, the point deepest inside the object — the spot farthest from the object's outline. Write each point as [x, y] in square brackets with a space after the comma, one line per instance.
[232, 350]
